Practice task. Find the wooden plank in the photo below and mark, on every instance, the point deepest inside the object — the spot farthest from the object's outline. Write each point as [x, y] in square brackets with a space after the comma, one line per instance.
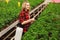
[8, 28]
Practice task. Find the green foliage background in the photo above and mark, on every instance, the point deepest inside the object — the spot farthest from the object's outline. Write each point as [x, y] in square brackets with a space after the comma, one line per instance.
[47, 27]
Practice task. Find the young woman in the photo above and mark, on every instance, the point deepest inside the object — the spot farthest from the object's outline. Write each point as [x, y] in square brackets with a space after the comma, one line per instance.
[24, 17]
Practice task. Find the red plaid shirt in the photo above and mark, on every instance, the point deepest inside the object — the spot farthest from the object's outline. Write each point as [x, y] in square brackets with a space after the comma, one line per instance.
[24, 16]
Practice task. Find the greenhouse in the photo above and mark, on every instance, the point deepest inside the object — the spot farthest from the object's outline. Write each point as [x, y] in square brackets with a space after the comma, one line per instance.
[29, 19]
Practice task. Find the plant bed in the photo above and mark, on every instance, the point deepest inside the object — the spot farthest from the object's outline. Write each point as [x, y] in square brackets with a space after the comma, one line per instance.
[47, 26]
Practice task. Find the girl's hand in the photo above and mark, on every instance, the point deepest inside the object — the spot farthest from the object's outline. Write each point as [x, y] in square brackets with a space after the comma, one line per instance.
[33, 19]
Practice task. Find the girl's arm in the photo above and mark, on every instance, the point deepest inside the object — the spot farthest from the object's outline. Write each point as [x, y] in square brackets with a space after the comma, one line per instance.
[30, 20]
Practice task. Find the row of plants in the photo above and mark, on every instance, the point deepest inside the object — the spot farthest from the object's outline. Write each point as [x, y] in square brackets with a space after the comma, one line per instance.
[47, 26]
[9, 10]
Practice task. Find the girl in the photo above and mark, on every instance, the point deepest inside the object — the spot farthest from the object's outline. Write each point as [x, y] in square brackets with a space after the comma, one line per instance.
[24, 17]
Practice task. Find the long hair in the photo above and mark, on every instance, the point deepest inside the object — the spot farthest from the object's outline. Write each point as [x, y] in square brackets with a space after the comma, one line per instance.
[24, 4]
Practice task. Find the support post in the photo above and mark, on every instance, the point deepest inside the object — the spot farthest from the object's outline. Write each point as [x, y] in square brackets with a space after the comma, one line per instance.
[18, 34]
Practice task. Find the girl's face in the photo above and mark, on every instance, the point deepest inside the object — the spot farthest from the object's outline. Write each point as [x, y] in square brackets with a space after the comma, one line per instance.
[27, 6]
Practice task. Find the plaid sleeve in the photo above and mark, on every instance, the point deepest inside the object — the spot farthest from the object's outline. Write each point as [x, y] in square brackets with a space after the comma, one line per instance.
[21, 17]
